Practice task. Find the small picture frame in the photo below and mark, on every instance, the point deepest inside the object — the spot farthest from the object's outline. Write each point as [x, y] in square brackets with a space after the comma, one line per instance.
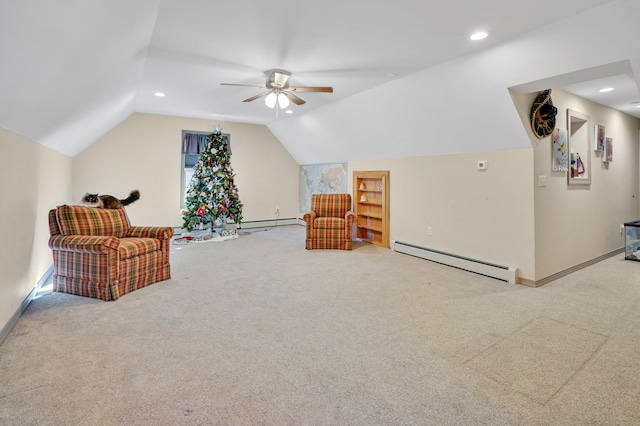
[608, 150]
[559, 153]
[599, 138]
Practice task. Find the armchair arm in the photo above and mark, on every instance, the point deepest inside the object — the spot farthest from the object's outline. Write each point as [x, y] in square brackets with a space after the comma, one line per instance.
[84, 243]
[159, 232]
[309, 217]
[349, 218]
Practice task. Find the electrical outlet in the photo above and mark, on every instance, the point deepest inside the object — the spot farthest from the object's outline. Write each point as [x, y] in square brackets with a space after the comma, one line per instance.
[429, 230]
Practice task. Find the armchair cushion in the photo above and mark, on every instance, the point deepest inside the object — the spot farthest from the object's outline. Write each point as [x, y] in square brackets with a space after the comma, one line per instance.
[92, 221]
[331, 205]
[132, 247]
[329, 223]
[97, 253]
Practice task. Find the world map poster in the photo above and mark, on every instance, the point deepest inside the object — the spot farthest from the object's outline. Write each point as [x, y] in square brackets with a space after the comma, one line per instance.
[321, 179]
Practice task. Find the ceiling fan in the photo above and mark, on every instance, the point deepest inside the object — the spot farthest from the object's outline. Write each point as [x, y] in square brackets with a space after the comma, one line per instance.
[279, 90]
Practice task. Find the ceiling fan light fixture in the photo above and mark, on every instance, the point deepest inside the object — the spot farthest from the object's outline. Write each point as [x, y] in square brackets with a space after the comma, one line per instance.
[270, 100]
[283, 101]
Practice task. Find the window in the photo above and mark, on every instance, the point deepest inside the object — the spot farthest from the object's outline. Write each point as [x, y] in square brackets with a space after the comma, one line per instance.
[192, 145]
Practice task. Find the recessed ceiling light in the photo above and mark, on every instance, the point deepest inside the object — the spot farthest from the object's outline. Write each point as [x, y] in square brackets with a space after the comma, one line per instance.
[160, 94]
[288, 111]
[637, 106]
[481, 35]
[606, 89]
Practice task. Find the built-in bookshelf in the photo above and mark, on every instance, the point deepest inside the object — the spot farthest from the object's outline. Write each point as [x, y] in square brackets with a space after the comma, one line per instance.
[371, 202]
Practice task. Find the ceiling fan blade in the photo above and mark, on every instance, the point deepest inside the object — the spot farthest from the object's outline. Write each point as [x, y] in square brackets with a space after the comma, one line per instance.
[293, 98]
[311, 89]
[244, 85]
[253, 98]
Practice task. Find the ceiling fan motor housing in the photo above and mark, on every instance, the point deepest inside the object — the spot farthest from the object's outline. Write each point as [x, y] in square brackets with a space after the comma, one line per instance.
[278, 79]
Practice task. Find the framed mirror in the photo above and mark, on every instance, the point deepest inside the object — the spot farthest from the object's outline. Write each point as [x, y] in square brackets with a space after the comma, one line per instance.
[579, 145]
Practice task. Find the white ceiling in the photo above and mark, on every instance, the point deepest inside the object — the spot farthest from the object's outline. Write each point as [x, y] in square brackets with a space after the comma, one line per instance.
[73, 70]
[624, 97]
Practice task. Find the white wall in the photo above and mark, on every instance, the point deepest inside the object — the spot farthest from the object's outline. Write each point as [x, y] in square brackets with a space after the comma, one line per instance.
[575, 224]
[484, 215]
[501, 215]
[144, 153]
[33, 180]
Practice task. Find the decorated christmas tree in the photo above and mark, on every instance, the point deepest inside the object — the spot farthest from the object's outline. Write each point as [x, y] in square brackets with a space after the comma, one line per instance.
[211, 195]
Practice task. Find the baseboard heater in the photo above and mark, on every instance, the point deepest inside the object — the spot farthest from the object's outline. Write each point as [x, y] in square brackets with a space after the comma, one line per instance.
[504, 273]
[270, 223]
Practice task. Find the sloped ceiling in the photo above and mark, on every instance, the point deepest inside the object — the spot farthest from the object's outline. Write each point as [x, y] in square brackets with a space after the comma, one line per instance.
[72, 70]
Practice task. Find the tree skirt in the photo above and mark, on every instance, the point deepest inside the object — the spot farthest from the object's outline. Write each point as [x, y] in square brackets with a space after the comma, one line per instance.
[205, 236]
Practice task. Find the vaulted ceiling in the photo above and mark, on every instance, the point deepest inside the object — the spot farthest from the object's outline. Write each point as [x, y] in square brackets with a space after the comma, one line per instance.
[72, 70]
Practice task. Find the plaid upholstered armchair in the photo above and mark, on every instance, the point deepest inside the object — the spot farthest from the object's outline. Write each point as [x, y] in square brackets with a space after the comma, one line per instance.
[330, 222]
[97, 253]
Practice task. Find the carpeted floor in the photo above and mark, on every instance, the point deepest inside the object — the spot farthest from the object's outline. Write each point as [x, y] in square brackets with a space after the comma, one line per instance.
[259, 331]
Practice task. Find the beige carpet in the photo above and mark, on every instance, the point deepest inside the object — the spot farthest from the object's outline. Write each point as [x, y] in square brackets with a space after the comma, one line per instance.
[259, 331]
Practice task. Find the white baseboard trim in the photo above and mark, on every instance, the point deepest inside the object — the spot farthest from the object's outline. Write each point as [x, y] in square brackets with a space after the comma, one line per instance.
[553, 277]
[504, 273]
[46, 277]
[4, 333]
[16, 316]
[270, 223]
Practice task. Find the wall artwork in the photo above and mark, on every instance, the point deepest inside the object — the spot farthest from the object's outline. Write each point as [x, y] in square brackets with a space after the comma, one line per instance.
[560, 154]
[543, 115]
[579, 139]
[599, 133]
[321, 179]
[608, 150]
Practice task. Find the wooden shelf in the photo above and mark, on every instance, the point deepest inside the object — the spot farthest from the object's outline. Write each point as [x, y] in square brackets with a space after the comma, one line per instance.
[370, 228]
[370, 241]
[372, 221]
[373, 215]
